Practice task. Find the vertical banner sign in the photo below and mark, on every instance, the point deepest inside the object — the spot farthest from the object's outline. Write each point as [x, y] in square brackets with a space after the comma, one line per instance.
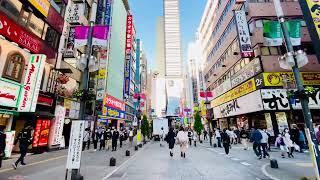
[69, 52]
[9, 143]
[81, 36]
[41, 133]
[106, 12]
[127, 65]
[57, 126]
[311, 12]
[31, 84]
[75, 144]
[101, 85]
[243, 34]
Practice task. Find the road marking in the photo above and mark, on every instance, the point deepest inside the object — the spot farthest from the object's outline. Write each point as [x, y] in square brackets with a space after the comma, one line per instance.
[235, 159]
[124, 163]
[245, 163]
[222, 153]
[264, 171]
[32, 164]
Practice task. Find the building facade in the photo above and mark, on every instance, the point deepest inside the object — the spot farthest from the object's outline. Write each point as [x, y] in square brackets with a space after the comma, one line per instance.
[250, 89]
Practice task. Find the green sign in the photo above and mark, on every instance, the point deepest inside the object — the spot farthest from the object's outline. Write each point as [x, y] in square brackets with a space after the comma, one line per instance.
[9, 112]
[272, 32]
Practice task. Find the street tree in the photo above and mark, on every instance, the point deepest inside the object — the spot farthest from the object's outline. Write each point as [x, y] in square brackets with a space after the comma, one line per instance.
[145, 127]
[198, 126]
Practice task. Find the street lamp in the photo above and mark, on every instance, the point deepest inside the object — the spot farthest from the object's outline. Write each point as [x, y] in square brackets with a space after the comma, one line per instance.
[294, 60]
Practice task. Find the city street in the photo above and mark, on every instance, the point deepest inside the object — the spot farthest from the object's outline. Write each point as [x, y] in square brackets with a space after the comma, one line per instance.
[153, 162]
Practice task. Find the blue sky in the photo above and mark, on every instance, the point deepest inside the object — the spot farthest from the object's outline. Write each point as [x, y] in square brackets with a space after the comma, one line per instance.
[145, 13]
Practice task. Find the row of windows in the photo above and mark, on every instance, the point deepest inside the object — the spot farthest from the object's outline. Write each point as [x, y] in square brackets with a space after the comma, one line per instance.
[15, 9]
[220, 21]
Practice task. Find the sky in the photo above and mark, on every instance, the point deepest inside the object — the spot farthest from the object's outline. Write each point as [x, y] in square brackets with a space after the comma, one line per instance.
[145, 13]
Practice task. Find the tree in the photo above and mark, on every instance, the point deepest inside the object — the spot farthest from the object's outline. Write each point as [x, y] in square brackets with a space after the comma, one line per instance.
[198, 126]
[145, 127]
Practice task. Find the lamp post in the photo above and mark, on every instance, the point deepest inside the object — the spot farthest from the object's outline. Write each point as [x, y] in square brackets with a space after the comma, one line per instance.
[296, 59]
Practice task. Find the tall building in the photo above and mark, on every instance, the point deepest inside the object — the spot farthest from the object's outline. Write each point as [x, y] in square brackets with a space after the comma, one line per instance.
[250, 89]
[160, 59]
[173, 60]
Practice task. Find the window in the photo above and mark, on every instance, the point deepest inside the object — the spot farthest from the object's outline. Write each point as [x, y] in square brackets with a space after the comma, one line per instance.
[11, 7]
[14, 66]
[36, 25]
[265, 51]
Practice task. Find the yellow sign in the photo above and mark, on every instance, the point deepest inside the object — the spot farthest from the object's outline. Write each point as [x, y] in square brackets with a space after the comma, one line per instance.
[277, 78]
[241, 90]
[67, 103]
[139, 136]
[203, 109]
[41, 5]
[314, 8]
[102, 74]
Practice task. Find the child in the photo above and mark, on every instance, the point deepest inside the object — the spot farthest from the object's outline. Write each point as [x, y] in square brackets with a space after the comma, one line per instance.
[280, 143]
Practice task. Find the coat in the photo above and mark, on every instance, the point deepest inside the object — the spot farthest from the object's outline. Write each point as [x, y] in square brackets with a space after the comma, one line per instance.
[2, 142]
[171, 139]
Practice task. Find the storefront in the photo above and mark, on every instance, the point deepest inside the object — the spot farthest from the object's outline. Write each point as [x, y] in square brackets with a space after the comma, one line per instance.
[114, 111]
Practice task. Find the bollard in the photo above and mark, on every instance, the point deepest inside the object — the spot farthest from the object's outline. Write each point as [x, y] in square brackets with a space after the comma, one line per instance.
[77, 177]
[136, 148]
[112, 161]
[140, 145]
[127, 153]
[274, 163]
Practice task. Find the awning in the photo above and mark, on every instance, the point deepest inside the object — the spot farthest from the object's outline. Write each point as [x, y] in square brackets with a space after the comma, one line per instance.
[9, 112]
[108, 117]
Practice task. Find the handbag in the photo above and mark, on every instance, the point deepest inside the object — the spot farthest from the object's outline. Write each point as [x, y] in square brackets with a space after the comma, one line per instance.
[296, 147]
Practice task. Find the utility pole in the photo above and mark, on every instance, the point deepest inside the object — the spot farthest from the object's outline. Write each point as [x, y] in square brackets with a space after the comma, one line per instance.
[75, 173]
[309, 130]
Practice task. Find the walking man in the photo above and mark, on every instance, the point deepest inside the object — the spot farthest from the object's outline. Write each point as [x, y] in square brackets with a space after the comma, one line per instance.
[25, 139]
[256, 139]
[225, 141]
[264, 143]
[86, 139]
[218, 136]
[115, 137]
[95, 138]
[102, 137]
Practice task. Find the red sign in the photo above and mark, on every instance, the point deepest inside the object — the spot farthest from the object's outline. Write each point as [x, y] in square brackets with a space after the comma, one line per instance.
[41, 133]
[207, 94]
[18, 34]
[46, 101]
[55, 20]
[113, 102]
[129, 34]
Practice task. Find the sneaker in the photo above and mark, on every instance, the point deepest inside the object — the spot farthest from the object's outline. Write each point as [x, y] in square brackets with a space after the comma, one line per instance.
[260, 157]
[184, 155]
[23, 164]
[14, 165]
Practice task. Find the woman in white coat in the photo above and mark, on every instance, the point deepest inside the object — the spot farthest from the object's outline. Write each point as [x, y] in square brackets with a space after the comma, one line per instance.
[288, 142]
[182, 138]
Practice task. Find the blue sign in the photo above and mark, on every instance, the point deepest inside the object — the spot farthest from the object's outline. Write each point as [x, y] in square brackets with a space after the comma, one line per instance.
[127, 71]
[111, 112]
[107, 12]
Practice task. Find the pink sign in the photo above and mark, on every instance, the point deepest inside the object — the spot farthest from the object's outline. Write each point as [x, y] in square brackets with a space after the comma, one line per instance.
[113, 102]
[100, 35]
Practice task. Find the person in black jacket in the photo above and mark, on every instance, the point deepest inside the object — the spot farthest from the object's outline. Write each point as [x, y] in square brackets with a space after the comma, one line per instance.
[2, 144]
[115, 137]
[25, 139]
[294, 134]
[170, 138]
[102, 137]
[95, 138]
[225, 141]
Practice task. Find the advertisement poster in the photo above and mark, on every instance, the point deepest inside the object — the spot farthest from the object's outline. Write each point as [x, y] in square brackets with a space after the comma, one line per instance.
[69, 52]
[282, 121]
[9, 93]
[57, 126]
[31, 84]
[241, 90]
[75, 144]
[243, 34]
[9, 143]
[247, 72]
[269, 123]
[41, 5]
[41, 133]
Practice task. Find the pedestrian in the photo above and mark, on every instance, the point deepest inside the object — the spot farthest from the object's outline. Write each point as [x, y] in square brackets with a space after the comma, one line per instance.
[182, 138]
[162, 136]
[264, 143]
[280, 144]
[86, 138]
[288, 142]
[244, 135]
[102, 138]
[302, 140]
[225, 141]
[2, 144]
[195, 138]
[205, 134]
[108, 139]
[89, 139]
[294, 135]
[190, 134]
[218, 137]
[95, 138]
[256, 138]
[121, 138]
[25, 139]
[131, 136]
[237, 133]
[115, 137]
[170, 138]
